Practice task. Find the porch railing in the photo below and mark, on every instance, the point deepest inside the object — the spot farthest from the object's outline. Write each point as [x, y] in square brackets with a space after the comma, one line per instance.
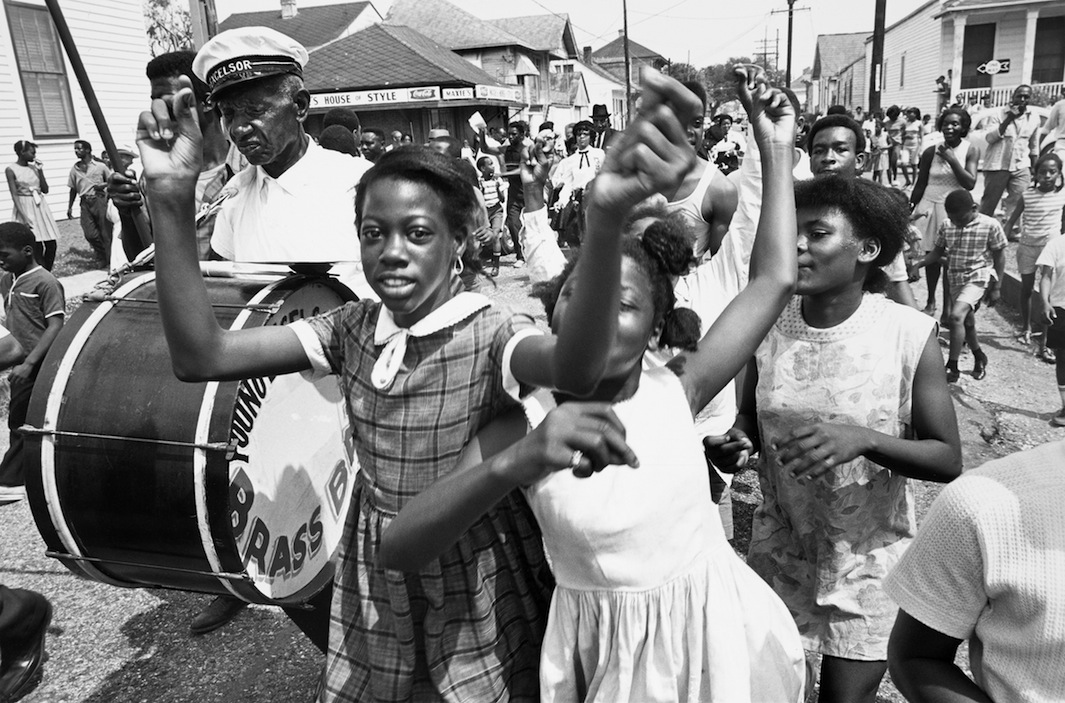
[1047, 93]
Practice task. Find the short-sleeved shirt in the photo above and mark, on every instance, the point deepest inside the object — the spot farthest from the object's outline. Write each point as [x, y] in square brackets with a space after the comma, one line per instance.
[1053, 256]
[306, 214]
[969, 249]
[986, 566]
[1009, 151]
[1042, 217]
[90, 181]
[30, 299]
[493, 190]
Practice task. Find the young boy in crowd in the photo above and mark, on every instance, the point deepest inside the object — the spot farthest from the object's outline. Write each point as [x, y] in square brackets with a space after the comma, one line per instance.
[971, 243]
[1050, 267]
[494, 190]
[35, 308]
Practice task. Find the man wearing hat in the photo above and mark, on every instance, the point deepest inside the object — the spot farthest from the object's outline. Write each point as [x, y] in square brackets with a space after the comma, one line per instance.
[604, 133]
[570, 177]
[295, 201]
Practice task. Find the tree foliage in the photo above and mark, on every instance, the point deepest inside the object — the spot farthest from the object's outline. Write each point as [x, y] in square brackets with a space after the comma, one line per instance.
[168, 26]
[718, 80]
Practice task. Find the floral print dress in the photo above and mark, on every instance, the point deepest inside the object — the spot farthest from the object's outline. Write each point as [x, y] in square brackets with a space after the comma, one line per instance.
[826, 546]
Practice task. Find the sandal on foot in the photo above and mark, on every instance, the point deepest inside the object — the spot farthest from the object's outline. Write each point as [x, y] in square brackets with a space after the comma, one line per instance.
[1048, 356]
[1024, 337]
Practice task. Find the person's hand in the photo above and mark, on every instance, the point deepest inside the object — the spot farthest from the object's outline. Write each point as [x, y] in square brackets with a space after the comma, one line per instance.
[915, 215]
[946, 153]
[993, 294]
[808, 452]
[70, 213]
[653, 154]
[123, 190]
[1049, 314]
[169, 138]
[484, 235]
[22, 372]
[729, 452]
[771, 114]
[535, 164]
[589, 432]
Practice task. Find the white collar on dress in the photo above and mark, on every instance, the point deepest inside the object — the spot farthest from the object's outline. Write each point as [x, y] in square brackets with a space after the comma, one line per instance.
[394, 338]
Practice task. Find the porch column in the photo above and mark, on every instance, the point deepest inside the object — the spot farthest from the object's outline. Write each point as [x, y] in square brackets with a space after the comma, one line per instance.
[959, 46]
[1029, 45]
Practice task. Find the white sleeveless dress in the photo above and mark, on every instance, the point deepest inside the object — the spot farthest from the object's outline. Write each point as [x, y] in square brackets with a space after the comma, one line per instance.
[652, 604]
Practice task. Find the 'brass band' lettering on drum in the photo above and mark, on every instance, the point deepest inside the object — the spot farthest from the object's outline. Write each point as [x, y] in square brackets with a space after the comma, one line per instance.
[270, 551]
[283, 556]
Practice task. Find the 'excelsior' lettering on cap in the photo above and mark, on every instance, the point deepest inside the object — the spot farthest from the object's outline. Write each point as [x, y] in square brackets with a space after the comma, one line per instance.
[228, 68]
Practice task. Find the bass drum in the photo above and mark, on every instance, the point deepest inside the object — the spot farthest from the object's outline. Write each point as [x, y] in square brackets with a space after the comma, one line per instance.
[137, 479]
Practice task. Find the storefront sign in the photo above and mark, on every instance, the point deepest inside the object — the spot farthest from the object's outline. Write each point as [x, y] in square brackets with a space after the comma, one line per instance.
[494, 92]
[458, 93]
[385, 96]
[994, 67]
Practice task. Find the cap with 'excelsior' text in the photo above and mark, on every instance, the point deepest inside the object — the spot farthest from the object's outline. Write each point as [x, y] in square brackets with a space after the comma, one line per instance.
[247, 54]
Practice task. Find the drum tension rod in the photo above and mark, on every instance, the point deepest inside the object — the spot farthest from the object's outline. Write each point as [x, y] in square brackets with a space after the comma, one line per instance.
[228, 448]
[243, 578]
[270, 309]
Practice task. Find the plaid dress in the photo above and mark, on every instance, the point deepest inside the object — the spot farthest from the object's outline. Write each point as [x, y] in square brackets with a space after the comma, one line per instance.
[468, 627]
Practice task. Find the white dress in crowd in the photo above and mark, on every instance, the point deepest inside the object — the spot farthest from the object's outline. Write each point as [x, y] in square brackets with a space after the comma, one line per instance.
[941, 181]
[652, 604]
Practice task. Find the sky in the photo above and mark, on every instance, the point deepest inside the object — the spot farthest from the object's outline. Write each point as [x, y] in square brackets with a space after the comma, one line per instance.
[700, 32]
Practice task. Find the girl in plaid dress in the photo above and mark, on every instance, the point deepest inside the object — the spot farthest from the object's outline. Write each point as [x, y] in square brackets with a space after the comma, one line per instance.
[652, 603]
[422, 371]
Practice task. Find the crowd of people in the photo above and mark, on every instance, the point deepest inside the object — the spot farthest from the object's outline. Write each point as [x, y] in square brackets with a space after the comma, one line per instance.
[544, 514]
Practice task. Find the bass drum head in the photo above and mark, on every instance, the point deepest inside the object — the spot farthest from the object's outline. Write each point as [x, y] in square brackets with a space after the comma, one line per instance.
[290, 472]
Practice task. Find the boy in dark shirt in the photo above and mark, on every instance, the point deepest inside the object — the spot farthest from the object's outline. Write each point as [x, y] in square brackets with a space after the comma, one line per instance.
[33, 299]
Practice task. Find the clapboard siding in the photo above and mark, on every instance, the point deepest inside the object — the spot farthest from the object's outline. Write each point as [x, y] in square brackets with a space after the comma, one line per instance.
[113, 45]
[918, 39]
[1009, 44]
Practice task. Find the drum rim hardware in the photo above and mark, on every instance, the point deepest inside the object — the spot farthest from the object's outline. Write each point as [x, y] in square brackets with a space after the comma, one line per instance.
[228, 447]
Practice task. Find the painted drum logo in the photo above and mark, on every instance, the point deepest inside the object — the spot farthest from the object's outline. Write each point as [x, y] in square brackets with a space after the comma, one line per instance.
[289, 479]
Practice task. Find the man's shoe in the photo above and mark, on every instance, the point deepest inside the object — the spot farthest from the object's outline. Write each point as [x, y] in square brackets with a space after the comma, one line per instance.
[9, 494]
[1059, 419]
[220, 611]
[979, 365]
[24, 661]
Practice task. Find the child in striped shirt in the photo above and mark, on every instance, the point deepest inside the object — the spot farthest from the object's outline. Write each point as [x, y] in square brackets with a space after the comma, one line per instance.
[494, 191]
[1040, 210]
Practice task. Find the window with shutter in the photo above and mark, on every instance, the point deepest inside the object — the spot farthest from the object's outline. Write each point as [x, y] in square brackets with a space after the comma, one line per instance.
[42, 71]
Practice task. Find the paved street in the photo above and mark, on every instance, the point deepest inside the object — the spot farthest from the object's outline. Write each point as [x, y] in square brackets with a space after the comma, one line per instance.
[110, 645]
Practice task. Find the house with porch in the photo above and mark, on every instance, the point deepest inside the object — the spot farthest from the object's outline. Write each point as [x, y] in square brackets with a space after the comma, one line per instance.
[523, 60]
[42, 99]
[993, 46]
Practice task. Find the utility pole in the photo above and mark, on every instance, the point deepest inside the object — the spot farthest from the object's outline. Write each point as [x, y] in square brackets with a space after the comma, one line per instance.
[628, 64]
[791, 17]
[876, 70]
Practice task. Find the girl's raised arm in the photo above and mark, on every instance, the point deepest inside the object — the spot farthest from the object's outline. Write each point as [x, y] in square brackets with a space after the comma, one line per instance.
[171, 152]
[733, 338]
[653, 154]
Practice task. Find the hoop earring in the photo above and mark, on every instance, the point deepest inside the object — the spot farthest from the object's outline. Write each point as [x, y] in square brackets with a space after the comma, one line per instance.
[459, 266]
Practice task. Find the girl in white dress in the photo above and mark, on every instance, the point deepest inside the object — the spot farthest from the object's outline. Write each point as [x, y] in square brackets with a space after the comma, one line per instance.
[652, 604]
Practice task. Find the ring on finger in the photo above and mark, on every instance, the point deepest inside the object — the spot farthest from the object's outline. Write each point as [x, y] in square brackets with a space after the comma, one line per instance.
[575, 460]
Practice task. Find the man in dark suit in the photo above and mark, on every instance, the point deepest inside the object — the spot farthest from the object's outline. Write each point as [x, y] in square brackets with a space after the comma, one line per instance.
[604, 133]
